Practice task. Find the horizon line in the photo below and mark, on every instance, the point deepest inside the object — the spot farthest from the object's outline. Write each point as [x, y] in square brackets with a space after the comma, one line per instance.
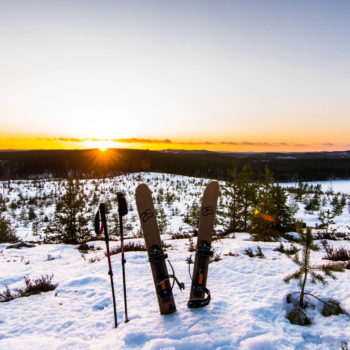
[160, 150]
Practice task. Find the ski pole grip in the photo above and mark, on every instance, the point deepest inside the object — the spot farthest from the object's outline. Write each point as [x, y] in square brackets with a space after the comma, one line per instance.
[104, 221]
[97, 223]
[122, 206]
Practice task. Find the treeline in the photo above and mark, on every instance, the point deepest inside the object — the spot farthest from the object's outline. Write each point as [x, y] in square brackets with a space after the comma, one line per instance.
[93, 163]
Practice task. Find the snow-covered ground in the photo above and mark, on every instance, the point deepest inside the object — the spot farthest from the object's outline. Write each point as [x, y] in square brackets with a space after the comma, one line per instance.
[248, 307]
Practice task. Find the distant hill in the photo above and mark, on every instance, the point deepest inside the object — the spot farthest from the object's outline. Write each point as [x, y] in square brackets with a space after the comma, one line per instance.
[285, 166]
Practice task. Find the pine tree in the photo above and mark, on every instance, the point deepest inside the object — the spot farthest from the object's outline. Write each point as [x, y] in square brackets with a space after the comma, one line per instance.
[282, 212]
[2, 204]
[7, 232]
[313, 203]
[338, 205]
[192, 217]
[70, 223]
[315, 273]
[162, 219]
[31, 214]
[271, 215]
[240, 192]
[326, 217]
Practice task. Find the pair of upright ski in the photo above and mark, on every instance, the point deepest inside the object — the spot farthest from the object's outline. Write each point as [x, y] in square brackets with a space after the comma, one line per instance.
[199, 294]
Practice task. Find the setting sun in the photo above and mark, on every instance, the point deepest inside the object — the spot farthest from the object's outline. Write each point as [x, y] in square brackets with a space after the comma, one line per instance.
[102, 145]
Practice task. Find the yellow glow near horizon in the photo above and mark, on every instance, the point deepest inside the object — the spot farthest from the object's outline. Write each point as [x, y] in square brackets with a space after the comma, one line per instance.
[102, 145]
[27, 143]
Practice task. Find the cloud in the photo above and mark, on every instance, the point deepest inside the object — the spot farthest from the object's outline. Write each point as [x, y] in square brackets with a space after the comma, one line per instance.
[135, 140]
[64, 139]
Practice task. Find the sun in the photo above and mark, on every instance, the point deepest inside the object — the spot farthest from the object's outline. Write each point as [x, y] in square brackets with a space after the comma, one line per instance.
[102, 145]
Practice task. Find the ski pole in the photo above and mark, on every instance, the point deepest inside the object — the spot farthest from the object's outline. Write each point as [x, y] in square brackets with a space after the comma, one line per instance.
[102, 212]
[123, 210]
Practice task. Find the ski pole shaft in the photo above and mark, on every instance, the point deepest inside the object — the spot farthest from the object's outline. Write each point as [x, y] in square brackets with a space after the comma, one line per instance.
[123, 266]
[123, 210]
[113, 295]
[110, 272]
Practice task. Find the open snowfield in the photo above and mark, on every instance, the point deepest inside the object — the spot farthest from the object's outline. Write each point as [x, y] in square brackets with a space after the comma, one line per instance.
[248, 307]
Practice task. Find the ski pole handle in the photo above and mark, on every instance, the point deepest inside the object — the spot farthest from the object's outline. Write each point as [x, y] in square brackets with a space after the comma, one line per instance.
[102, 209]
[122, 206]
[122, 210]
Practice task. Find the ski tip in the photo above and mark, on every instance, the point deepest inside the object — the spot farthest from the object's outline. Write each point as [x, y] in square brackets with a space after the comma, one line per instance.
[213, 186]
[142, 188]
[214, 183]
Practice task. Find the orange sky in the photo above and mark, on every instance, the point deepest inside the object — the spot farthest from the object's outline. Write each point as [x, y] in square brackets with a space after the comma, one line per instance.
[225, 76]
[155, 144]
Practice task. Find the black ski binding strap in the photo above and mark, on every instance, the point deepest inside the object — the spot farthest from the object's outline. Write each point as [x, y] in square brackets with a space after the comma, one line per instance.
[203, 253]
[204, 250]
[156, 254]
[156, 257]
[194, 304]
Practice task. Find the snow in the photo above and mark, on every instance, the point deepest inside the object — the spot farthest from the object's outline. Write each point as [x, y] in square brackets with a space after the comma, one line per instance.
[247, 311]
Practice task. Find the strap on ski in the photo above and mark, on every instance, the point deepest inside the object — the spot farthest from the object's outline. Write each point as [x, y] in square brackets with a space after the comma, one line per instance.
[157, 257]
[193, 304]
[203, 253]
[181, 285]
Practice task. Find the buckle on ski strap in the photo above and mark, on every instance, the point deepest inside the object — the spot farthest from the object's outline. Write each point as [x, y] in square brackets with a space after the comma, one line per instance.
[194, 304]
[156, 254]
[203, 250]
[156, 257]
[199, 281]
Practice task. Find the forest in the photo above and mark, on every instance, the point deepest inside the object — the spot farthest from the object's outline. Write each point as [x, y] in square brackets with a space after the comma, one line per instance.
[92, 163]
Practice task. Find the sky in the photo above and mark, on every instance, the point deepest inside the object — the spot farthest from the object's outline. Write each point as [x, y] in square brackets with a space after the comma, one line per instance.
[217, 75]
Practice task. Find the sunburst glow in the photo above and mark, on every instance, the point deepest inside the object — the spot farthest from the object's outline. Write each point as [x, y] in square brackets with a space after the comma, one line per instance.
[102, 145]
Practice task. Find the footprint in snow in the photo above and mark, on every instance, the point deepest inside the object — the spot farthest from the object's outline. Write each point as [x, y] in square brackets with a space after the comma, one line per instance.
[101, 305]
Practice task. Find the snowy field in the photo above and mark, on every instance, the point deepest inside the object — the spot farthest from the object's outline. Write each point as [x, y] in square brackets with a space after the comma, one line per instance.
[248, 307]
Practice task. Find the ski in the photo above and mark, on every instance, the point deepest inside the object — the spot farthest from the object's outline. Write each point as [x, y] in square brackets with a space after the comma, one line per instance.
[155, 252]
[200, 295]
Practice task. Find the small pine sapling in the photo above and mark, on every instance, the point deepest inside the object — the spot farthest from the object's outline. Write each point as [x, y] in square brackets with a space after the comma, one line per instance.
[316, 273]
[191, 247]
[258, 253]
[326, 218]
